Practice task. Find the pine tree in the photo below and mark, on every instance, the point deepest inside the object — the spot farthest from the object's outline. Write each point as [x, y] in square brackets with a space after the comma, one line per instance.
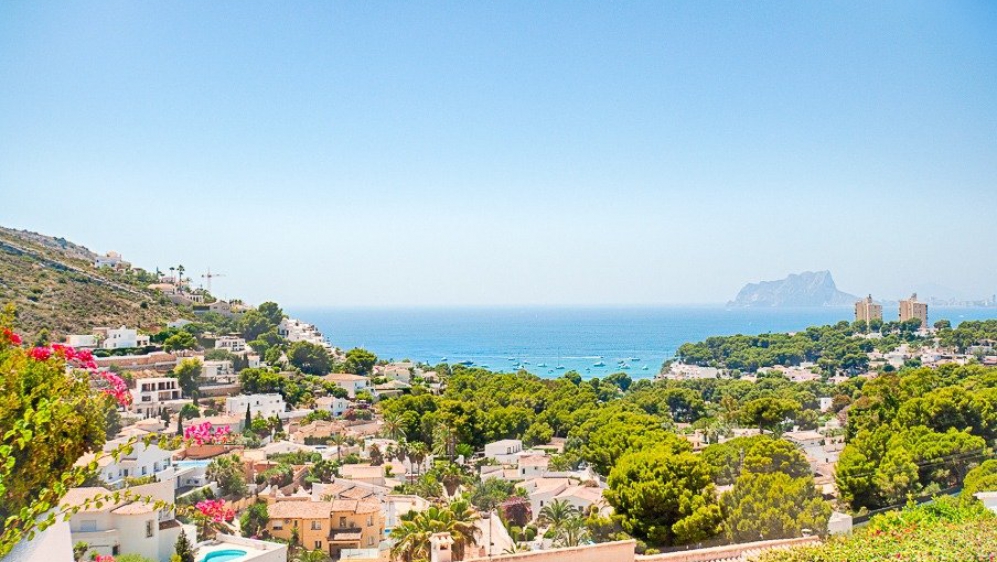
[249, 417]
[184, 550]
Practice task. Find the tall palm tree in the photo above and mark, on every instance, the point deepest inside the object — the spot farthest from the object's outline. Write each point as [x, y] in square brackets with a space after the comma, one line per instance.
[339, 439]
[180, 270]
[418, 452]
[557, 513]
[445, 440]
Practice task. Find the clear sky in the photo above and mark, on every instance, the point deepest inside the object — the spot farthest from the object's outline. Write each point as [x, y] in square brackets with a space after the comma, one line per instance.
[386, 153]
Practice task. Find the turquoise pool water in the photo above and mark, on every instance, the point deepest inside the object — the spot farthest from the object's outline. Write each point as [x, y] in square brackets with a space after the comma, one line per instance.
[224, 555]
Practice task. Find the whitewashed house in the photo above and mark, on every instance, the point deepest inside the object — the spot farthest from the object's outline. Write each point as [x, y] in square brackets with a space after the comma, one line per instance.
[505, 451]
[352, 384]
[235, 344]
[127, 527]
[82, 340]
[333, 404]
[263, 405]
[124, 337]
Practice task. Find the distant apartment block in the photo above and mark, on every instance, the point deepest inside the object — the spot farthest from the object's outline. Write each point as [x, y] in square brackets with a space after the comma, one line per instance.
[867, 311]
[912, 308]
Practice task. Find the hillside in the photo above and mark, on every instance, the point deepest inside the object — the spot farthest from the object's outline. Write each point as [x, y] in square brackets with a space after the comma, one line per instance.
[55, 286]
[810, 288]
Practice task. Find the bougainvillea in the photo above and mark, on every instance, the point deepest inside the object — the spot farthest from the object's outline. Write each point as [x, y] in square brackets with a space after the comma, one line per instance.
[206, 434]
[53, 403]
[216, 510]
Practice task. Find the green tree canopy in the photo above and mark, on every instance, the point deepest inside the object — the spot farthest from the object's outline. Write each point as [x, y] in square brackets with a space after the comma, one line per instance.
[664, 497]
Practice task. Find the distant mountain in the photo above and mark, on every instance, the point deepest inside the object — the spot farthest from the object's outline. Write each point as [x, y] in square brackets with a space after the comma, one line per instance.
[810, 288]
[55, 287]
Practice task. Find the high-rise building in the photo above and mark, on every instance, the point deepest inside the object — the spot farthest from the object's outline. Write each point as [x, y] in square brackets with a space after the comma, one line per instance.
[912, 308]
[867, 311]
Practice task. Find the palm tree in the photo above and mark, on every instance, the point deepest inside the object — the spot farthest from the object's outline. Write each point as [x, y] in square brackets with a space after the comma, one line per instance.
[392, 427]
[412, 534]
[339, 439]
[418, 452]
[445, 440]
[451, 476]
[180, 270]
[463, 529]
[572, 532]
[173, 275]
[557, 513]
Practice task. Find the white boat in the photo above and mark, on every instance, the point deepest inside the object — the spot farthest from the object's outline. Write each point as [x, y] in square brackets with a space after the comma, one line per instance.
[544, 365]
[644, 368]
[625, 366]
[599, 364]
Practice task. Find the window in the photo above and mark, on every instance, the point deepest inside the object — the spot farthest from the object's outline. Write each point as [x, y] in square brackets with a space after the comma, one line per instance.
[316, 525]
[370, 520]
[278, 525]
[115, 550]
[88, 525]
[150, 529]
[342, 522]
[318, 545]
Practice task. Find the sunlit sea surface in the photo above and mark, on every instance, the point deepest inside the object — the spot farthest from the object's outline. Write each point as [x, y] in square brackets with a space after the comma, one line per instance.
[541, 340]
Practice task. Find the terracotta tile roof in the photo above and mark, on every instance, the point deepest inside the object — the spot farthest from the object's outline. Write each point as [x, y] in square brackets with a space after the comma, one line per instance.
[299, 509]
[356, 493]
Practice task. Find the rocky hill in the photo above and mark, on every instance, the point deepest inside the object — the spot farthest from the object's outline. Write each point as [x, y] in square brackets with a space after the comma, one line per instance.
[810, 288]
[54, 286]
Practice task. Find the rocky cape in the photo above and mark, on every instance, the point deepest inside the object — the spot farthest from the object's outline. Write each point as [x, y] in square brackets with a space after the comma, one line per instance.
[810, 288]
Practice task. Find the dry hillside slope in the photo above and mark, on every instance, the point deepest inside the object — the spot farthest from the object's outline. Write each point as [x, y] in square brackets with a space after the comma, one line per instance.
[54, 286]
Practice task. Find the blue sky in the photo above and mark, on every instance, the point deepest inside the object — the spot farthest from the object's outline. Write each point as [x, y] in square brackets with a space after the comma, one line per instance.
[323, 153]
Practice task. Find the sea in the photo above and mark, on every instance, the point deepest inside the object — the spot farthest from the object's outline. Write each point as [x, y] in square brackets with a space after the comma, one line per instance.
[549, 341]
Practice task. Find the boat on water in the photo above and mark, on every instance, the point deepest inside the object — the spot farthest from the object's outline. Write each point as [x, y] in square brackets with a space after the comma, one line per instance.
[560, 367]
[599, 364]
[625, 366]
[644, 368]
[444, 360]
[544, 365]
[635, 359]
[484, 366]
[467, 363]
[550, 370]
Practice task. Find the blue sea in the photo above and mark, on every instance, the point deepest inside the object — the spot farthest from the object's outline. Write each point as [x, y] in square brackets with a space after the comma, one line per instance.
[541, 339]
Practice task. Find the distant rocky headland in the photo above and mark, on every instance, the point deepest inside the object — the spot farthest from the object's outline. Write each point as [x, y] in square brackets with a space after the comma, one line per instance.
[810, 288]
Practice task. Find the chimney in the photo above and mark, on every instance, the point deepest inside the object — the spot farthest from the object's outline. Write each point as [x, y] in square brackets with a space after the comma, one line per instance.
[441, 547]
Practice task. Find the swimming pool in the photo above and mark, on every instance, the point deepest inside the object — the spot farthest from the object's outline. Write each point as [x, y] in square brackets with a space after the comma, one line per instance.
[224, 555]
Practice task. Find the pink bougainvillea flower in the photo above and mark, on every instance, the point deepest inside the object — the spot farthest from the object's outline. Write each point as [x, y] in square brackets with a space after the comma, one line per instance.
[116, 387]
[205, 434]
[11, 337]
[40, 353]
[104, 558]
[216, 510]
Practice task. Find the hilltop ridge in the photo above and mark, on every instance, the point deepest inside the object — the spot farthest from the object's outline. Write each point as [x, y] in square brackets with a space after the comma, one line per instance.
[55, 286]
[809, 288]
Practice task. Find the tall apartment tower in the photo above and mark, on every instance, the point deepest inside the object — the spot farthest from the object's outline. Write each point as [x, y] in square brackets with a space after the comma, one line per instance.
[867, 311]
[912, 308]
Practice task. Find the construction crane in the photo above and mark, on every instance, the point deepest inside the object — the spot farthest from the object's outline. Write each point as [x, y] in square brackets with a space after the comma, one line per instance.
[209, 276]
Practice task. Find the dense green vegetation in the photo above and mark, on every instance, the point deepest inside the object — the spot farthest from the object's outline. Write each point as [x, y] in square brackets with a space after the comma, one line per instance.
[942, 531]
[834, 349]
[917, 432]
[661, 491]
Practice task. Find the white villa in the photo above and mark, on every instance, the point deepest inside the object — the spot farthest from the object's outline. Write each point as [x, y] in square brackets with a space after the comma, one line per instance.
[263, 405]
[153, 394]
[352, 384]
[124, 337]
